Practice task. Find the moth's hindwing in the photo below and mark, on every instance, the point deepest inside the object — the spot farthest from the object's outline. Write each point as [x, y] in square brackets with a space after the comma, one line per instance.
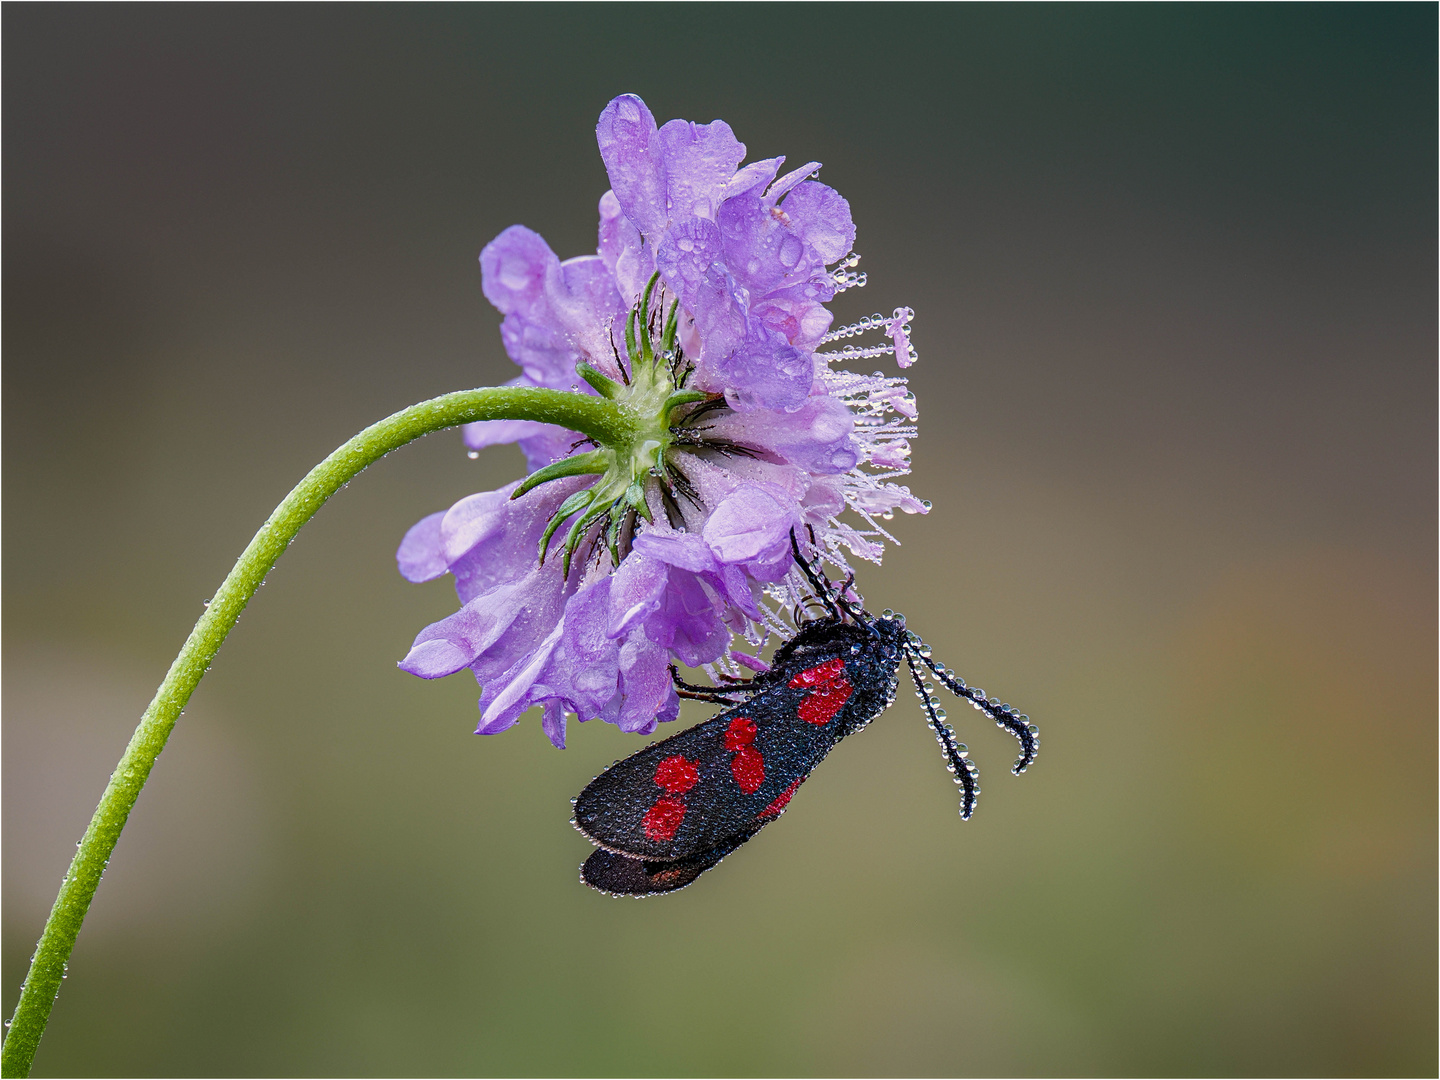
[621, 875]
[688, 796]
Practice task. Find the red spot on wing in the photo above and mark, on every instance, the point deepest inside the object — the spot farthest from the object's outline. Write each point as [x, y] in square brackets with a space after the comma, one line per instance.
[820, 674]
[781, 801]
[663, 819]
[740, 733]
[748, 768]
[676, 775]
[820, 706]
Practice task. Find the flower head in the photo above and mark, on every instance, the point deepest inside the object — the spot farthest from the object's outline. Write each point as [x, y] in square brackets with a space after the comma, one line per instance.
[703, 316]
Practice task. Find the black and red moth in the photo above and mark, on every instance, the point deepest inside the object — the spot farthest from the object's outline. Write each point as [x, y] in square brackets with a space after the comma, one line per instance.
[665, 815]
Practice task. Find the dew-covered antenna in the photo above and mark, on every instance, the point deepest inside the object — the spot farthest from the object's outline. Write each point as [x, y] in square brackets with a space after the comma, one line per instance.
[1016, 723]
[957, 754]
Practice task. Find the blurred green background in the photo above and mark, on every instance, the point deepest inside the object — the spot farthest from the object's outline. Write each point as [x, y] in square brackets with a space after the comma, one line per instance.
[1174, 270]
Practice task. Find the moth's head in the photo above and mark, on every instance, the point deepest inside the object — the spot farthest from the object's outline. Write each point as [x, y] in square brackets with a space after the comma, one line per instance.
[889, 627]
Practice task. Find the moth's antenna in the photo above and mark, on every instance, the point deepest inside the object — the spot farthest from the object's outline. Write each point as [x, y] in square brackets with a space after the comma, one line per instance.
[957, 755]
[1015, 723]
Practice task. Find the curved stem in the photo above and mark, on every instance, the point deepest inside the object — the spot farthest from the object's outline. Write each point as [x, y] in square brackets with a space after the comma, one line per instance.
[608, 422]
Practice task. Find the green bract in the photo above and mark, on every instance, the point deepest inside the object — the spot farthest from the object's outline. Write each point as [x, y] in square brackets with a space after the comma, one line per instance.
[651, 393]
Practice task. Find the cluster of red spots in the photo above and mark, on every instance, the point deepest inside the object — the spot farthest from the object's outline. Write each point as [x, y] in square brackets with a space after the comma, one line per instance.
[781, 801]
[748, 765]
[676, 776]
[829, 691]
[663, 819]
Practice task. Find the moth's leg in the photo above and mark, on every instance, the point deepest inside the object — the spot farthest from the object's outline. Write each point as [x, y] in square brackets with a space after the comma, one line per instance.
[818, 581]
[691, 695]
[957, 756]
[722, 694]
[1015, 723]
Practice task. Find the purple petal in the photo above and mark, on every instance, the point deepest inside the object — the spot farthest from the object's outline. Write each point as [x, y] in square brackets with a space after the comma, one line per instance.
[475, 519]
[556, 314]
[759, 250]
[801, 322]
[552, 723]
[753, 177]
[824, 500]
[751, 529]
[887, 497]
[685, 550]
[445, 647]
[820, 216]
[765, 371]
[422, 556]
[685, 255]
[754, 366]
[817, 436]
[699, 160]
[623, 250]
[754, 663]
[490, 538]
[774, 192]
[513, 267]
[518, 688]
[631, 151]
[646, 689]
[688, 621]
[719, 308]
[588, 653]
[739, 596]
[549, 444]
[636, 591]
[435, 658]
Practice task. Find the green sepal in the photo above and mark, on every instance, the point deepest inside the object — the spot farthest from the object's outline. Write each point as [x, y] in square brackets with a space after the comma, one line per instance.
[578, 501]
[635, 499]
[672, 324]
[612, 537]
[630, 336]
[595, 461]
[644, 319]
[678, 398]
[605, 386]
[583, 522]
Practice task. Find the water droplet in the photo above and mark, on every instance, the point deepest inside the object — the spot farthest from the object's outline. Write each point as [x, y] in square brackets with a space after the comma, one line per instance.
[473, 454]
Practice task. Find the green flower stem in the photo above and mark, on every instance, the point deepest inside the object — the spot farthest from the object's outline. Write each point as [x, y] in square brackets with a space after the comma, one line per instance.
[609, 423]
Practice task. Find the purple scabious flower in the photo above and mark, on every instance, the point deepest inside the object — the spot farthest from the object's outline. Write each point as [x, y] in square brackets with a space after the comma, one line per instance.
[704, 311]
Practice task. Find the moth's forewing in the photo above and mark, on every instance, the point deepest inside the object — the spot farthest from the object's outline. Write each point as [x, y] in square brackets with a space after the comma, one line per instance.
[612, 809]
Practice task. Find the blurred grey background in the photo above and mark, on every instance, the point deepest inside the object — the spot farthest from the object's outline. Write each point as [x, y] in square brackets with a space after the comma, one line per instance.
[1174, 270]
